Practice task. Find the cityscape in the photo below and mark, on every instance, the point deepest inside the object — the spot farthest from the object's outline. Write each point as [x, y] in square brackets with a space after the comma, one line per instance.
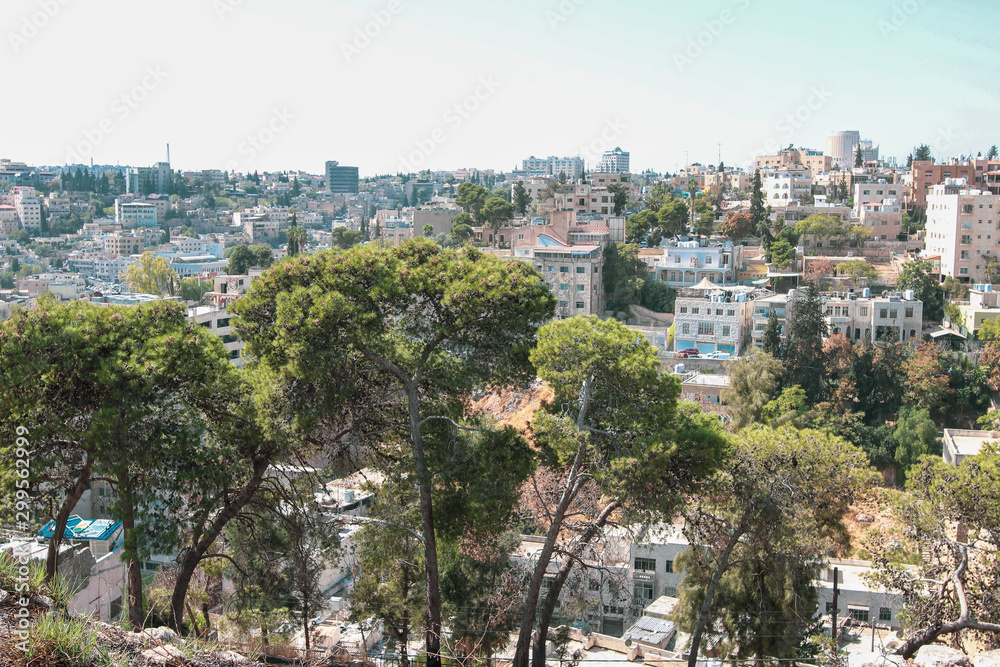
[526, 334]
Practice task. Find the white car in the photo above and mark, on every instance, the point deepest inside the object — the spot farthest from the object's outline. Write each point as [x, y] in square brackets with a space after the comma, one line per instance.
[716, 355]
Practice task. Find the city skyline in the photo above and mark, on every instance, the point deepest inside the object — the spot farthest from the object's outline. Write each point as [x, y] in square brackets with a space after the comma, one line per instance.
[389, 86]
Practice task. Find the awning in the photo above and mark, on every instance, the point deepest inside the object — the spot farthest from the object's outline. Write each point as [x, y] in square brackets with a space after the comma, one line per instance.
[944, 331]
[706, 284]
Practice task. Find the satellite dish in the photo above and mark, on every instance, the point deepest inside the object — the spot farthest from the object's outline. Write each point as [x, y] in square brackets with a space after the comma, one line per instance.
[628, 641]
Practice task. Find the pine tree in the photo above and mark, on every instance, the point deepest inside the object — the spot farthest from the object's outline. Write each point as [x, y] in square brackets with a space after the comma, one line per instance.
[772, 336]
[758, 212]
[804, 356]
[859, 158]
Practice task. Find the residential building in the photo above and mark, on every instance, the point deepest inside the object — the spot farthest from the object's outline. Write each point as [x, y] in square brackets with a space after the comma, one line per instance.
[961, 224]
[147, 180]
[229, 288]
[29, 210]
[261, 224]
[875, 193]
[884, 219]
[794, 158]
[394, 231]
[585, 198]
[856, 597]
[135, 214]
[9, 221]
[715, 321]
[571, 167]
[984, 304]
[341, 179]
[841, 146]
[782, 305]
[978, 174]
[615, 161]
[869, 151]
[785, 185]
[219, 322]
[706, 389]
[685, 263]
[440, 218]
[959, 443]
[123, 243]
[572, 272]
[872, 318]
[730, 179]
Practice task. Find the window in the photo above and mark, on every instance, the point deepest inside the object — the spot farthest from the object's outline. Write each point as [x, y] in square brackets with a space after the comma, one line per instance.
[966, 209]
[677, 259]
[224, 322]
[235, 354]
[829, 607]
[595, 585]
[858, 614]
[966, 239]
[669, 566]
[884, 614]
[563, 304]
[207, 325]
[695, 311]
[563, 269]
[718, 312]
[884, 313]
[643, 593]
[685, 328]
[579, 305]
[730, 313]
[725, 330]
[645, 564]
[550, 269]
[909, 311]
[564, 287]
[684, 309]
[706, 328]
[580, 288]
[893, 314]
[581, 269]
[863, 311]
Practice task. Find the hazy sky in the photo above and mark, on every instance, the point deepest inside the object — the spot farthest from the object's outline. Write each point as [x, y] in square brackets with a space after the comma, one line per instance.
[268, 85]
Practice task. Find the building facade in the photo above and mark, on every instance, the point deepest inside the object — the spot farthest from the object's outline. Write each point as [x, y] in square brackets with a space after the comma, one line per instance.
[615, 161]
[963, 228]
[341, 179]
[718, 322]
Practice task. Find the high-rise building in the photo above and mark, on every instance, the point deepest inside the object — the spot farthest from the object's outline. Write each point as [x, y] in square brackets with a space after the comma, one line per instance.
[29, 210]
[869, 151]
[147, 180]
[572, 167]
[841, 146]
[341, 180]
[615, 161]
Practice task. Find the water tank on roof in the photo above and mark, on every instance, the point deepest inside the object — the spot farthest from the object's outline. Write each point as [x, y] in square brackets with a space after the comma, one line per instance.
[989, 287]
[909, 295]
[866, 293]
[679, 369]
[348, 496]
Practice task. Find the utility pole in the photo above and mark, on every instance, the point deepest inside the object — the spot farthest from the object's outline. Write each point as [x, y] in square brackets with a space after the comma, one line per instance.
[834, 628]
[720, 155]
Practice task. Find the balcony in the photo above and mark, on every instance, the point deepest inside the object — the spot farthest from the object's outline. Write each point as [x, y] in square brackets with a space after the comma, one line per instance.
[640, 575]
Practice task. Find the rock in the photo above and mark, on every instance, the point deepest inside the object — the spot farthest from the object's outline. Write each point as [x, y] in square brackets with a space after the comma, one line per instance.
[940, 656]
[43, 601]
[987, 659]
[234, 658]
[3, 596]
[876, 660]
[864, 518]
[162, 635]
[165, 655]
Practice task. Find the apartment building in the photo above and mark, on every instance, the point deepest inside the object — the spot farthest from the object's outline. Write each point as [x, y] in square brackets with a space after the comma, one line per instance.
[961, 226]
[261, 224]
[29, 209]
[219, 322]
[585, 198]
[875, 193]
[782, 305]
[571, 167]
[148, 179]
[984, 304]
[884, 219]
[394, 231]
[729, 179]
[785, 185]
[615, 161]
[685, 263]
[131, 215]
[898, 316]
[9, 223]
[795, 158]
[979, 174]
[341, 179]
[123, 243]
[572, 272]
[718, 321]
[438, 217]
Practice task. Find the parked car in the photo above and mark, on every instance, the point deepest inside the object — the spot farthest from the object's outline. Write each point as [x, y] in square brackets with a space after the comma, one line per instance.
[716, 355]
[687, 352]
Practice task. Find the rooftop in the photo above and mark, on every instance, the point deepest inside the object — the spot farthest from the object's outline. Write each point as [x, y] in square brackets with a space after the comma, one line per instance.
[83, 529]
[967, 442]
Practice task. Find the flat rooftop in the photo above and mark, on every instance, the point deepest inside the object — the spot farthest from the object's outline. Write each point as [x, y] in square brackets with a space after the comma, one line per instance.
[969, 443]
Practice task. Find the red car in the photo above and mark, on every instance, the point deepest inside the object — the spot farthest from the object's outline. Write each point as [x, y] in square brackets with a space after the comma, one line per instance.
[685, 353]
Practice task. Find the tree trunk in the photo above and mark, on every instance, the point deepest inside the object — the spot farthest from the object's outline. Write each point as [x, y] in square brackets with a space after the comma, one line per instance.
[132, 565]
[544, 558]
[541, 637]
[433, 634]
[404, 630]
[720, 569]
[72, 498]
[204, 542]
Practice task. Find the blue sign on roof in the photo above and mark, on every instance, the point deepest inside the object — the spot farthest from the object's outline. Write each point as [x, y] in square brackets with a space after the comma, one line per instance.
[83, 529]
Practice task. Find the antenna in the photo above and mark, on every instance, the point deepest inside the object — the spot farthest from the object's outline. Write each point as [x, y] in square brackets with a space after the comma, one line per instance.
[168, 153]
[720, 155]
[687, 161]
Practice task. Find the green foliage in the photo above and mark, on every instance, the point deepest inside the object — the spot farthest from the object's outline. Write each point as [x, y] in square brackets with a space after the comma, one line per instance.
[917, 436]
[758, 210]
[193, 289]
[753, 382]
[624, 275]
[917, 277]
[657, 296]
[65, 642]
[619, 194]
[638, 225]
[673, 217]
[805, 359]
[856, 269]
[771, 343]
[244, 257]
[737, 225]
[496, 212]
[791, 403]
[781, 254]
[151, 275]
[472, 198]
[520, 198]
[345, 238]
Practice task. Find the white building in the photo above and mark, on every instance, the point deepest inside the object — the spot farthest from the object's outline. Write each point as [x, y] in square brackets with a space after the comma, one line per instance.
[842, 146]
[782, 186]
[875, 193]
[961, 224]
[135, 214]
[219, 322]
[29, 210]
[685, 263]
[716, 322]
[572, 167]
[616, 161]
[959, 443]
[261, 224]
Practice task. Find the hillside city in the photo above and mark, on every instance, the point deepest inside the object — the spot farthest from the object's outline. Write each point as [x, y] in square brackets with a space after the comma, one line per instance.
[567, 412]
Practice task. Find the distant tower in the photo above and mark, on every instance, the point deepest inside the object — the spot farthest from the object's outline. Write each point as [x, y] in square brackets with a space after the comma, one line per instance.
[842, 145]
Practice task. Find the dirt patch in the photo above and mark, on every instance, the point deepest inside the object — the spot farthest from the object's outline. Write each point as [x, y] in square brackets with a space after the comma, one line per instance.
[514, 408]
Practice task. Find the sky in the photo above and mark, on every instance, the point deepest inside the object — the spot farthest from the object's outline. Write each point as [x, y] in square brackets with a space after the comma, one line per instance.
[403, 85]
